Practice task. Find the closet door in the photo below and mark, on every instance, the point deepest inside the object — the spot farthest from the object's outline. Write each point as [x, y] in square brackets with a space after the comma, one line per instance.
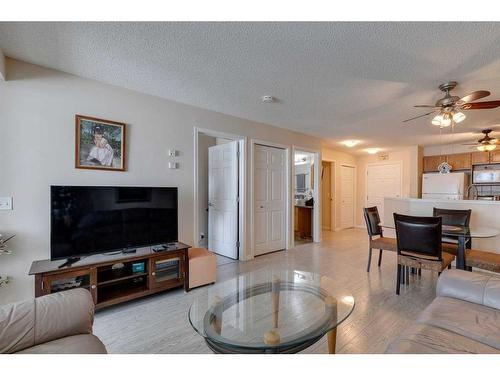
[269, 199]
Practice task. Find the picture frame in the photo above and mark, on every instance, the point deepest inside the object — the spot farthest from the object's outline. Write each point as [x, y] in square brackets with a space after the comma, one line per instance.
[100, 144]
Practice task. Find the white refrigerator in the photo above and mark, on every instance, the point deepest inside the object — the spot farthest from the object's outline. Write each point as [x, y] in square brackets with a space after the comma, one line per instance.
[451, 186]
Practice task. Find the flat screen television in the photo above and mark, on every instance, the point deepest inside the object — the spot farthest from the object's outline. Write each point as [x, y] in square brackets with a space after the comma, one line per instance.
[88, 220]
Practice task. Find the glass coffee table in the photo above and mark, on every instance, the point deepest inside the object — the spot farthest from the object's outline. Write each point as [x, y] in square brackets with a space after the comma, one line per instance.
[270, 312]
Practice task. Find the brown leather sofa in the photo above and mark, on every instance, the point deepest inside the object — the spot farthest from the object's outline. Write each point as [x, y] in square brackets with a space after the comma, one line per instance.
[59, 323]
[463, 318]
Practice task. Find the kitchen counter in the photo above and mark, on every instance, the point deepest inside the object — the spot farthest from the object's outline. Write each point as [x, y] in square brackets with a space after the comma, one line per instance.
[484, 214]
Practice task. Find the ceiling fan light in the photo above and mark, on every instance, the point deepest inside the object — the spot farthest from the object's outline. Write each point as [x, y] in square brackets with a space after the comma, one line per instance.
[437, 120]
[446, 121]
[458, 117]
[481, 148]
[490, 147]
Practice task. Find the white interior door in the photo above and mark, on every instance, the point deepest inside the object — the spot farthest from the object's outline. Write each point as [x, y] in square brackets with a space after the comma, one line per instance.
[269, 199]
[346, 197]
[223, 199]
[382, 180]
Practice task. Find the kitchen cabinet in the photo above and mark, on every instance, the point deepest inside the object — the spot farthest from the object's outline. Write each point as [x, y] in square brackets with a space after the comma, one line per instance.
[431, 163]
[460, 161]
[480, 157]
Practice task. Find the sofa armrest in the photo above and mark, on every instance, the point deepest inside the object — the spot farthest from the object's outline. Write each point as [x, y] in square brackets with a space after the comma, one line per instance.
[470, 286]
[54, 316]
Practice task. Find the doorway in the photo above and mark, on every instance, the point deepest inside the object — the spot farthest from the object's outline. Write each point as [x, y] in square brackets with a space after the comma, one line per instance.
[328, 195]
[219, 180]
[347, 194]
[306, 204]
[269, 198]
[382, 180]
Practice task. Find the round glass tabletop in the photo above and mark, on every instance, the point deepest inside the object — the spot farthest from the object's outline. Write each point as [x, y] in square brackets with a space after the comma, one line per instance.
[269, 311]
[459, 231]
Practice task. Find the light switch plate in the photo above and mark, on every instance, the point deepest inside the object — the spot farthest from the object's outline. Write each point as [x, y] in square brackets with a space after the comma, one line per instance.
[5, 203]
[173, 165]
[172, 153]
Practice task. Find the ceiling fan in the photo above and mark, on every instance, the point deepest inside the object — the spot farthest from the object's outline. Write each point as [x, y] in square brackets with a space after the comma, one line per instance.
[450, 107]
[486, 143]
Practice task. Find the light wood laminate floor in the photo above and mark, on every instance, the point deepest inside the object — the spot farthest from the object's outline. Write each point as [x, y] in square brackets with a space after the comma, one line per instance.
[159, 324]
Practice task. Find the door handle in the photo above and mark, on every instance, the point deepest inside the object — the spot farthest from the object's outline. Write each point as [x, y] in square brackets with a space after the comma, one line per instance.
[210, 204]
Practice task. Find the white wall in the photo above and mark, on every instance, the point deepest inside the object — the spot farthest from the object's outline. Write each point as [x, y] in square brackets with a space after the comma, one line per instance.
[37, 109]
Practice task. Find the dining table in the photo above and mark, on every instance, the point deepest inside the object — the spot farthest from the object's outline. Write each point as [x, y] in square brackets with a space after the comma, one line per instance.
[461, 234]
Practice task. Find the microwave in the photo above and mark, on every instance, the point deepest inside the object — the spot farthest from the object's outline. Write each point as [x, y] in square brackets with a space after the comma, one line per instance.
[486, 174]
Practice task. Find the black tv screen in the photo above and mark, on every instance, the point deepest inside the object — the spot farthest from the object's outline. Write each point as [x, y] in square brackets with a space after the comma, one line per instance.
[97, 219]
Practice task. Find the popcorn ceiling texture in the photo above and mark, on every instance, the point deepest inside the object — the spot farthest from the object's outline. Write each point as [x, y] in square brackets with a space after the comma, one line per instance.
[332, 80]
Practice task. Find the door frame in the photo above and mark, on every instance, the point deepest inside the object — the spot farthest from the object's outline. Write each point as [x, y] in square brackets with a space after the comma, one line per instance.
[242, 191]
[395, 162]
[288, 191]
[355, 192]
[316, 232]
[333, 204]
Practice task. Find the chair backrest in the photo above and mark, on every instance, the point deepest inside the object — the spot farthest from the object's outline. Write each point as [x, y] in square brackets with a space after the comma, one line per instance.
[419, 235]
[453, 217]
[372, 219]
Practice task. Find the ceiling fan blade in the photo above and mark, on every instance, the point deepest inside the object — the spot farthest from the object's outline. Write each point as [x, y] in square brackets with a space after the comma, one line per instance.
[474, 96]
[425, 106]
[471, 144]
[482, 105]
[414, 118]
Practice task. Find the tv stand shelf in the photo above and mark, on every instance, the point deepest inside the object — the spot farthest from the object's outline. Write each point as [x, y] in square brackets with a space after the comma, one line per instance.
[111, 279]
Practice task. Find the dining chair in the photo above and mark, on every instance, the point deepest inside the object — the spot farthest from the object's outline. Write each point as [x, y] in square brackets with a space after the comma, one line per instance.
[380, 242]
[419, 245]
[459, 218]
[484, 260]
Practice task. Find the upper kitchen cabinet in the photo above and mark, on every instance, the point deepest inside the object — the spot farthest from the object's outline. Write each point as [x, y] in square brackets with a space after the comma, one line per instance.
[480, 157]
[460, 161]
[495, 156]
[431, 163]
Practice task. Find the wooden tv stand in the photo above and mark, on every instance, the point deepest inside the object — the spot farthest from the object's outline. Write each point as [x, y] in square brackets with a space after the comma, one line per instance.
[113, 279]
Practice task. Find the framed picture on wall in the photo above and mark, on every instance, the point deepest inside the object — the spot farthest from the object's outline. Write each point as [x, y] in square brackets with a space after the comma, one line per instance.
[99, 144]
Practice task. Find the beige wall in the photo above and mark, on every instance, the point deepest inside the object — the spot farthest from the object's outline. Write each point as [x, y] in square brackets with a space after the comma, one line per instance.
[37, 109]
[340, 158]
[410, 157]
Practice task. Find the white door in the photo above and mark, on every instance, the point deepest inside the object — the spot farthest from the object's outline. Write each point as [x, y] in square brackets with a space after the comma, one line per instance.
[383, 180]
[223, 199]
[346, 197]
[269, 199]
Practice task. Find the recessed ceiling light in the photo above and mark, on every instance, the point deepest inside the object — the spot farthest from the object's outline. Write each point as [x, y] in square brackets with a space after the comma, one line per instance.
[267, 99]
[372, 150]
[350, 142]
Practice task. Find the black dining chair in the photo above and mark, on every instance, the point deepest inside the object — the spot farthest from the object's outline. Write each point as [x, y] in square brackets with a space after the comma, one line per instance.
[376, 236]
[419, 246]
[459, 218]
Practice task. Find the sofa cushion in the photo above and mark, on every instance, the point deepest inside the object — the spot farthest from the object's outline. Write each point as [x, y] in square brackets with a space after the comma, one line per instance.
[470, 286]
[426, 339]
[17, 330]
[476, 322]
[78, 344]
[384, 243]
